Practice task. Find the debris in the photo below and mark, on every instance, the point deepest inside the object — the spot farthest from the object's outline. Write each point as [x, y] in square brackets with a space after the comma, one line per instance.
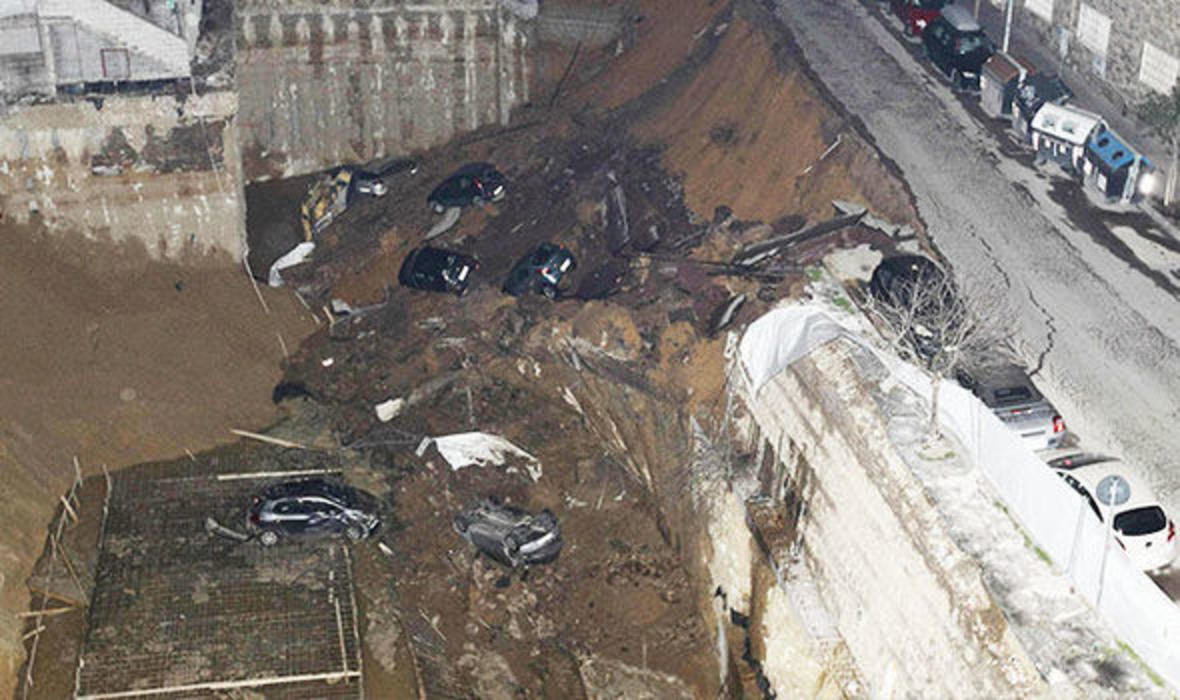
[327, 362]
[726, 313]
[846, 208]
[388, 410]
[215, 528]
[480, 449]
[292, 258]
[450, 218]
[266, 438]
[423, 446]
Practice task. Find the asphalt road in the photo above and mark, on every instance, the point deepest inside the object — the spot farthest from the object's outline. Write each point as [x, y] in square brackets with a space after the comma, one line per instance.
[1091, 292]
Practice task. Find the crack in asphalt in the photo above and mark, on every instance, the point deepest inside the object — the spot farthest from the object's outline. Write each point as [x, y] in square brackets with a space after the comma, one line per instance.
[1050, 336]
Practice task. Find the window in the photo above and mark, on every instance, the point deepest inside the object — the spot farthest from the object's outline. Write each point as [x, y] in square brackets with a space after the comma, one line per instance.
[1158, 69]
[1012, 394]
[1040, 8]
[116, 64]
[1093, 29]
[1141, 521]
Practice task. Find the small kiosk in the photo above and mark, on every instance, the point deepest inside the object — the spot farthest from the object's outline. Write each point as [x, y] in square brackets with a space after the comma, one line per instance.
[1112, 166]
[1059, 135]
[999, 80]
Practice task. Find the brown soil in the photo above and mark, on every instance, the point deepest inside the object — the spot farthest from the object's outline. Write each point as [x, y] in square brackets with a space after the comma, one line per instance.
[708, 109]
[116, 359]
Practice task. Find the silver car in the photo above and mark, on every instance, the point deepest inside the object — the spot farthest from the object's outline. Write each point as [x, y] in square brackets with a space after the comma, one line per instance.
[510, 535]
[1007, 390]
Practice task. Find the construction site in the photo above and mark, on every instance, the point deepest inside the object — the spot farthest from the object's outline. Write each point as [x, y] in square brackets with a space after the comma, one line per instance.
[682, 152]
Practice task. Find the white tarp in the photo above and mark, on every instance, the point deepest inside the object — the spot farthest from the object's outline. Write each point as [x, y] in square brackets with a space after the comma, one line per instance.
[771, 343]
[293, 257]
[1054, 516]
[481, 449]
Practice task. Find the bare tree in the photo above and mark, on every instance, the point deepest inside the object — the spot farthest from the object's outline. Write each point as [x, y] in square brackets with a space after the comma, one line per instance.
[942, 329]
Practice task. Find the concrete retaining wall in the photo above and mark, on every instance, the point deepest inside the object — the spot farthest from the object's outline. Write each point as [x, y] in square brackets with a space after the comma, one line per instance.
[871, 585]
[325, 83]
[165, 172]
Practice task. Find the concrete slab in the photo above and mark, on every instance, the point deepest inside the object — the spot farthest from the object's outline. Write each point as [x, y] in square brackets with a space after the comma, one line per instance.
[180, 612]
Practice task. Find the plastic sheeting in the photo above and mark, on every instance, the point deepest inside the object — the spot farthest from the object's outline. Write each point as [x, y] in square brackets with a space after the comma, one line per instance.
[1056, 518]
[293, 257]
[479, 449]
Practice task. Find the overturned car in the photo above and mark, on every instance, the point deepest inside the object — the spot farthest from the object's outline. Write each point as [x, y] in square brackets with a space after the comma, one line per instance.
[510, 535]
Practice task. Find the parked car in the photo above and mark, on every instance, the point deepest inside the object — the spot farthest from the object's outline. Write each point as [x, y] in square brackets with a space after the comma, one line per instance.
[510, 535]
[540, 271]
[311, 507]
[437, 270]
[911, 289]
[1141, 527]
[1009, 392]
[474, 183]
[915, 15]
[956, 44]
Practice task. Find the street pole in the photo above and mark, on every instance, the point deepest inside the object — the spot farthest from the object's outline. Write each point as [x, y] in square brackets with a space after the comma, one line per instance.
[1007, 22]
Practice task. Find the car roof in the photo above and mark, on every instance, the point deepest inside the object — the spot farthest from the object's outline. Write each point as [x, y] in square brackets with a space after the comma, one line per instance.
[961, 18]
[308, 487]
[1089, 476]
[992, 378]
[909, 264]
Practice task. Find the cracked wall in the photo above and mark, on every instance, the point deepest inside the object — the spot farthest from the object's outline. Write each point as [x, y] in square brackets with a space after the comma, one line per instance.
[869, 563]
[158, 170]
[322, 84]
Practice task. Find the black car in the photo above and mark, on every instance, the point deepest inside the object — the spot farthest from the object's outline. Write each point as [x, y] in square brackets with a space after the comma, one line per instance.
[540, 271]
[437, 270]
[474, 183]
[912, 290]
[510, 535]
[311, 507]
[957, 45]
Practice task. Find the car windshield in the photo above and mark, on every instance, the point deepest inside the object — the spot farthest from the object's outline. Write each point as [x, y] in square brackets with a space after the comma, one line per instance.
[1141, 521]
[970, 42]
[540, 257]
[1007, 395]
[931, 4]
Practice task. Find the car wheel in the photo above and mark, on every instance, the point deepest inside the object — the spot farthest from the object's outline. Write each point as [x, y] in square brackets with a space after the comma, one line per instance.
[355, 533]
[437, 207]
[268, 538]
[477, 201]
[512, 549]
[461, 523]
[956, 79]
[907, 29]
[549, 291]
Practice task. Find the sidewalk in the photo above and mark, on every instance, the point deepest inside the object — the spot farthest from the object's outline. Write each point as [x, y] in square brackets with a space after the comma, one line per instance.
[1024, 43]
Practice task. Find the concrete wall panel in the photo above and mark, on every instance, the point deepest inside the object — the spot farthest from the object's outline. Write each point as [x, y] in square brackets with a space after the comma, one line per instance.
[163, 172]
[323, 84]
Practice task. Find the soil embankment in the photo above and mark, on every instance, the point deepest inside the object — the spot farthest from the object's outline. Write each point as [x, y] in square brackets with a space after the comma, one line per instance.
[125, 361]
[117, 359]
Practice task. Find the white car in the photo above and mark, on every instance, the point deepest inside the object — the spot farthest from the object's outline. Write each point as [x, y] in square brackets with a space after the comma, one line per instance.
[1141, 527]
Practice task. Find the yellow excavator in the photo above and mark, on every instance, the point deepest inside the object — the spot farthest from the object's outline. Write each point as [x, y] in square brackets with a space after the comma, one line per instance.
[333, 192]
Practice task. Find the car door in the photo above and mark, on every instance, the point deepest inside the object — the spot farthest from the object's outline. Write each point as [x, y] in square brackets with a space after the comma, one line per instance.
[935, 39]
[321, 514]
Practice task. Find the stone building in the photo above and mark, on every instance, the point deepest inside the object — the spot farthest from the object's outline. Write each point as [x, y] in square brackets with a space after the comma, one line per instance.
[50, 44]
[1131, 46]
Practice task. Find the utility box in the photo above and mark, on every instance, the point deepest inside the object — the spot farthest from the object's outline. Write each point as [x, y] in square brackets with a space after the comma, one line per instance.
[1111, 166]
[1059, 134]
[1035, 90]
[999, 80]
